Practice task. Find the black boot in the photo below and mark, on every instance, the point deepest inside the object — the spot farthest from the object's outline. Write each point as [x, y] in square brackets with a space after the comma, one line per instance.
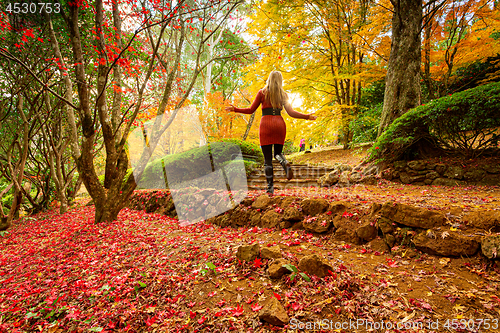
[268, 170]
[286, 165]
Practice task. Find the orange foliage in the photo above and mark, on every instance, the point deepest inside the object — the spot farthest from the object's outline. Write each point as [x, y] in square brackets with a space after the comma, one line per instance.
[218, 123]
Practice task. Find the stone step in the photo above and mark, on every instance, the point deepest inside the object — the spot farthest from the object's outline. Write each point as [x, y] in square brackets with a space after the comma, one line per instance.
[276, 165]
[281, 178]
[282, 175]
[299, 169]
[281, 186]
[282, 183]
[303, 176]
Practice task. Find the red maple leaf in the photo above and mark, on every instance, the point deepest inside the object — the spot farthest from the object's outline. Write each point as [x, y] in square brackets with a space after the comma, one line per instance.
[257, 263]
[256, 307]
[150, 321]
[238, 311]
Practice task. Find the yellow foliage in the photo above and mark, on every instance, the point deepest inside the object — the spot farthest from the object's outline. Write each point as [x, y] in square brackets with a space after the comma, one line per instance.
[326, 51]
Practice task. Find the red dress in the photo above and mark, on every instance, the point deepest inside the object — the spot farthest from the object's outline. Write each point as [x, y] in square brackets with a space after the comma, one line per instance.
[272, 129]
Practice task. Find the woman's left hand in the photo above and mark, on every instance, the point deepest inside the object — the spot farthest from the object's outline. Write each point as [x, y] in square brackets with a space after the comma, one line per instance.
[312, 117]
[230, 108]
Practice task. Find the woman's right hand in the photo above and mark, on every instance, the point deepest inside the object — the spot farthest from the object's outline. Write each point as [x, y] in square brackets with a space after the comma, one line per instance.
[312, 116]
[230, 108]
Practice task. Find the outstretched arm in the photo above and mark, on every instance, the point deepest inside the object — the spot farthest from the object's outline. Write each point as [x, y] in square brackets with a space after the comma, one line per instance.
[294, 114]
[255, 104]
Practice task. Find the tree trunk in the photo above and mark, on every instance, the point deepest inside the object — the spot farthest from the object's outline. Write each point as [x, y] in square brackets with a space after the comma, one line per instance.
[427, 59]
[402, 90]
[107, 209]
[249, 126]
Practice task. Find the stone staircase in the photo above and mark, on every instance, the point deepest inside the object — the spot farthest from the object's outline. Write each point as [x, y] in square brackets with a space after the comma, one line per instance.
[303, 176]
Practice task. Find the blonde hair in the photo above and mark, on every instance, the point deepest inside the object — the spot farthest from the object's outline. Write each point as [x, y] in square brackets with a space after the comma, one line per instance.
[274, 90]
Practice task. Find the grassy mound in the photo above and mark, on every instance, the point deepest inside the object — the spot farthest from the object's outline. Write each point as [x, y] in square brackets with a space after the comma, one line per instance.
[198, 162]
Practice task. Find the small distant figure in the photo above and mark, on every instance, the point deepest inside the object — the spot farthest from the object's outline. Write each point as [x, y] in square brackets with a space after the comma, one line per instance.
[302, 145]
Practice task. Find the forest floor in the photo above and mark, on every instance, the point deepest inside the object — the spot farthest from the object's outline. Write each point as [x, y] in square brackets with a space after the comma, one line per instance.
[145, 273]
[328, 156]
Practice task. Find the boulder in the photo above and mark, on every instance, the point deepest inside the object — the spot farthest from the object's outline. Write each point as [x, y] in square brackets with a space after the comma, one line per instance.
[314, 265]
[255, 218]
[224, 205]
[490, 246]
[379, 245]
[417, 178]
[207, 192]
[440, 168]
[388, 174]
[329, 179]
[390, 240]
[412, 172]
[292, 214]
[287, 201]
[270, 219]
[240, 216]
[276, 269]
[355, 177]
[485, 220]
[273, 252]
[247, 202]
[344, 179]
[432, 175]
[369, 180]
[224, 220]
[447, 182]
[346, 235]
[400, 165]
[417, 165]
[367, 231]
[454, 172]
[474, 175]
[274, 313]
[374, 209]
[405, 177]
[314, 207]
[248, 252]
[285, 224]
[430, 166]
[385, 225]
[411, 216]
[491, 179]
[337, 207]
[492, 168]
[343, 167]
[321, 224]
[262, 202]
[454, 245]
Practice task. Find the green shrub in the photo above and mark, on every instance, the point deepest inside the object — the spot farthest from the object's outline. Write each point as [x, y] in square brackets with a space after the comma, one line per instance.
[463, 123]
[248, 149]
[9, 196]
[365, 127]
[180, 166]
[290, 148]
[129, 171]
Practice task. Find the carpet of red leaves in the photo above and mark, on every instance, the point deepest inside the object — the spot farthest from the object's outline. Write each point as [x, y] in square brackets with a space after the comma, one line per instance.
[145, 273]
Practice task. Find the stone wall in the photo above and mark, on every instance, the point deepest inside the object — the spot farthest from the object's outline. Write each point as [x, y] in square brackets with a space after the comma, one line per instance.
[380, 226]
[421, 172]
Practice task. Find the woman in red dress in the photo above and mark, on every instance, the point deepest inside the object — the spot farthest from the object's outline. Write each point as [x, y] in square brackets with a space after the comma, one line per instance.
[272, 130]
